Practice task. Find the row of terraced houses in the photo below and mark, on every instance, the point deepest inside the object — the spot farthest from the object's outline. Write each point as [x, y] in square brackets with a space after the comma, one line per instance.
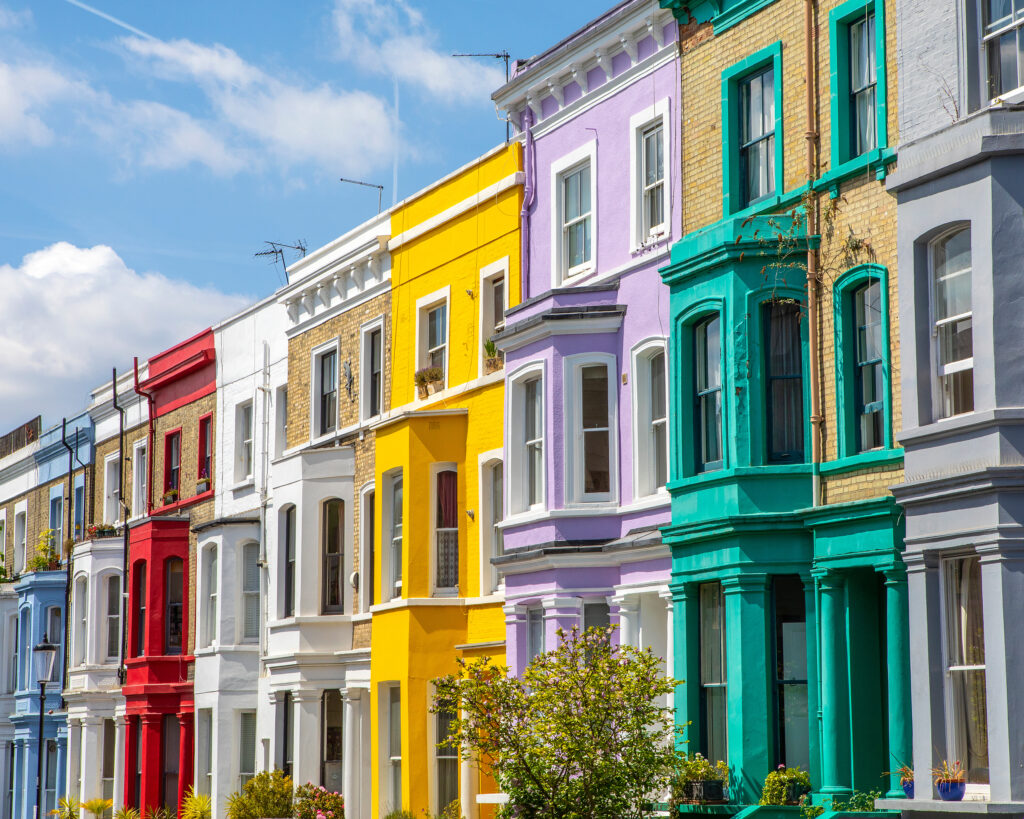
[692, 354]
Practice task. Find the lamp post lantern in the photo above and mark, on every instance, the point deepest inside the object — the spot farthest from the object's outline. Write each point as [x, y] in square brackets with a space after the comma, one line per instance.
[43, 656]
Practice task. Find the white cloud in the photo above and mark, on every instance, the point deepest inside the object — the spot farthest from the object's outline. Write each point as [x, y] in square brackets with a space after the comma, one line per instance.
[342, 131]
[26, 92]
[392, 37]
[10, 19]
[69, 314]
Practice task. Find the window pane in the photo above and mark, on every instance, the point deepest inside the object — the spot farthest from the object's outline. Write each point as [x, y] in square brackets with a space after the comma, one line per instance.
[952, 267]
[712, 633]
[498, 303]
[174, 603]
[498, 506]
[967, 626]
[716, 722]
[784, 370]
[447, 762]
[596, 615]
[571, 192]
[970, 730]
[957, 392]
[535, 632]
[247, 745]
[998, 12]
[446, 531]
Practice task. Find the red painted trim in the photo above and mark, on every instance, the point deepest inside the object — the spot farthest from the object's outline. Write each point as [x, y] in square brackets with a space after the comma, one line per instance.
[167, 461]
[183, 504]
[178, 403]
[180, 370]
[199, 455]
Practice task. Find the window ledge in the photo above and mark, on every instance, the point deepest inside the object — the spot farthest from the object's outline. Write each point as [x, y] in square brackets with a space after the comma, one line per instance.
[877, 160]
[939, 806]
[182, 504]
[863, 460]
[726, 475]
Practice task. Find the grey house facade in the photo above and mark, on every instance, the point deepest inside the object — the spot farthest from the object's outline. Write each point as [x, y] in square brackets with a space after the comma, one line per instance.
[960, 213]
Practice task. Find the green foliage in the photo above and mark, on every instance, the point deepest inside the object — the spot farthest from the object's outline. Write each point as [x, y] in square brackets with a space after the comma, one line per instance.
[311, 800]
[580, 736]
[67, 808]
[428, 375]
[126, 813]
[401, 814]
[98, 807]
[267, 795]
[858, 802]
[490, 349]
[694, 768]
[776, 784]
[46, 558]
[453, 810]
[159, 813]
[196, 805]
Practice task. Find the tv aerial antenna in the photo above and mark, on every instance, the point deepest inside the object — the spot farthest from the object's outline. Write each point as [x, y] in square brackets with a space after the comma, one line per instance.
[380, 188]
[274, 252]
[498, 55]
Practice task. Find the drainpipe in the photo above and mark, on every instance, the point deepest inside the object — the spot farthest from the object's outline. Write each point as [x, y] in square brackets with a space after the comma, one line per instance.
[264, 571]
[67, 569]
[529, 161]
[811, 136]
[121, 671]
[150, 438]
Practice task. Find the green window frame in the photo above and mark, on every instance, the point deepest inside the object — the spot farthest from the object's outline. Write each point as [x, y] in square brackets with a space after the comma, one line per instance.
[734, 79]
[707, 390]
[844, 87]
[785, 380]
[686, 394]
[854, 362]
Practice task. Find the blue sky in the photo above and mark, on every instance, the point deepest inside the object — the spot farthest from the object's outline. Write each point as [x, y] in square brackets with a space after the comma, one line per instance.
[142, 164]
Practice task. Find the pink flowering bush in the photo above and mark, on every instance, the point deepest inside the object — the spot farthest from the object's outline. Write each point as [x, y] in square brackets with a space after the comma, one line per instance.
[316, 802]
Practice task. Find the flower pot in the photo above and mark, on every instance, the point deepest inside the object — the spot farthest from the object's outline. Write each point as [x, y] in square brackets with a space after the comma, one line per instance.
[421, 390]
[434, 386]
[706, 790]
[794, 790]
[493, 364]
[908, 788]
[951, 791]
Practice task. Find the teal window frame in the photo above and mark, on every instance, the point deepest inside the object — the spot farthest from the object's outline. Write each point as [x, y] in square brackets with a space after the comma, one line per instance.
[846, 357]
[682, 390]
[839, 21]
[732, 177]
[699, 394]
[788, 456]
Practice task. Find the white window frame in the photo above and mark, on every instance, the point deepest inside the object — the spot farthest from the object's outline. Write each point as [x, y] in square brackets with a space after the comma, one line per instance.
[314, 404]
[243, 775]
[387, 761]
[209, 583]
[204, 750]
[535, 612]
[80, 603]
[433, 738]
[516, 488]
[11, 658]
[488, 275]
[561, 274]
[245, 442]
[280, 420]
[367, 545]
[640, 123]
[389, 585]
[140, 477]
[111, 490]
[424, 305]
[244, 595]
[435, 470]
[365, 351]
[1014, 94]
[490, 580]
[20, 536]
[572, 398]
[643, 463]
[964, 364]
[949, 719]
[3, 535]
[104, 580]
[56, 493]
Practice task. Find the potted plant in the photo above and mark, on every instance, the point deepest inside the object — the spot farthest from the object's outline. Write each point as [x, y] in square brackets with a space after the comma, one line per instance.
[906, 775]
[46, 558]
[785, 786]
[170, 496]
[698, 781]
[493, 360]
[428, 380]
[203, 483]
[950, 781]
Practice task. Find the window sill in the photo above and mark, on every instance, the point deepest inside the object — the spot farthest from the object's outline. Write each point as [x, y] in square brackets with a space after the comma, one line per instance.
[725, 475]
[968, 805]
[576, 274]
[182, 504]
[245, 483]
[877, 160]
[863, 460]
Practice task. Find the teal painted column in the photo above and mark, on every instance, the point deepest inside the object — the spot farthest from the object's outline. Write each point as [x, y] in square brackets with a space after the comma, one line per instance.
[686, 661]
[835, 700]
[813, 709]
[748, 691]
[897, 642]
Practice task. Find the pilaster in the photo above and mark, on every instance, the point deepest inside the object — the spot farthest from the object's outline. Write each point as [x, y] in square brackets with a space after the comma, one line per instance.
[835, 698]
[897, 639]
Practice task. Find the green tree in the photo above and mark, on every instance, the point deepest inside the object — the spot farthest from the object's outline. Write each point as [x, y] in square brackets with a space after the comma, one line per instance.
[582, 735]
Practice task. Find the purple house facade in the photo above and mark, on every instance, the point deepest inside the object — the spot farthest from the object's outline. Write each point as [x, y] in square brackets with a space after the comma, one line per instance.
[586, 433]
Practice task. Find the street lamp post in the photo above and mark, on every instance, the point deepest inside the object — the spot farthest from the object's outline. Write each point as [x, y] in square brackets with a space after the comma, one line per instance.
[43, 656]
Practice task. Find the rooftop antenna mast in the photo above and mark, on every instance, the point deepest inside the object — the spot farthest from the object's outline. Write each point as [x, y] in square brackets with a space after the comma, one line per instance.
[498, 55]
[380, 188]
[276, 250]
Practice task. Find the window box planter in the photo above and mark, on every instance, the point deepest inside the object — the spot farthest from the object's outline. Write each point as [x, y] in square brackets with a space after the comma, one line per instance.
[202, 485]
[699, 782]
[493, 363]
[428, 381]
[705, 792]
[170, 496]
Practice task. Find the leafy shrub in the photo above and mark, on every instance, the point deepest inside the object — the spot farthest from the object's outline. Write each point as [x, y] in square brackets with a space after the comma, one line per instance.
[401, 814]
[126, 813]
[695, 768]
[159, 813]
[196, 805]
[98, 807]
[67, 808]
[268, 795]
[858, 802]
[312, 801]
[46, 558]
[776, 785]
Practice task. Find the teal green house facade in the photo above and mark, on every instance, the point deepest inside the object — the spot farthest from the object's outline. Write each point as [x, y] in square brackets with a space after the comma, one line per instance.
[788, 585]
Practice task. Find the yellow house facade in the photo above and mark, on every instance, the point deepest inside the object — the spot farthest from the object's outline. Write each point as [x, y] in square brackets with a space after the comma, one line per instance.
[455, 255]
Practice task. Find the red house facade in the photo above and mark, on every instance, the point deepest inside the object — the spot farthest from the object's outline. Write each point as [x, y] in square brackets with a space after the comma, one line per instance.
[158, 689]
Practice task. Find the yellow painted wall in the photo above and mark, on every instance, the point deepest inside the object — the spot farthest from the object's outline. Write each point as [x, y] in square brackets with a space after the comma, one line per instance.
[414, 639]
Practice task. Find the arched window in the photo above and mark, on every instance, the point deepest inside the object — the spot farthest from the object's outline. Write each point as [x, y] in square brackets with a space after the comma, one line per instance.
[332, 550]
[174, 605]
[81, 608]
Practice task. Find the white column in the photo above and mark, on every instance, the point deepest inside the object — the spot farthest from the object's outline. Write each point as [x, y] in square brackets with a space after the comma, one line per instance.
[629, 618]
[74, 756]
[306, 739]
[120, 731]
[92, 740]
[350, 775]
[468, 787]
[666, 596]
